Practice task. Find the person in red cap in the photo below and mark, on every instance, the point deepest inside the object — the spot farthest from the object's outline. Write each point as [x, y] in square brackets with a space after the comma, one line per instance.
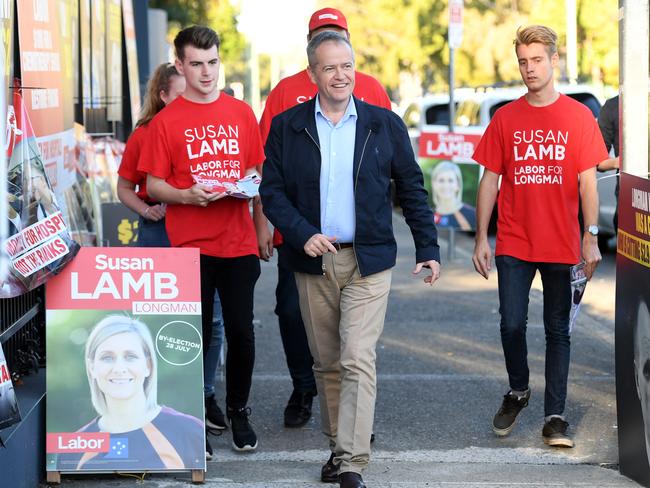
[289, 92]
[298, 88]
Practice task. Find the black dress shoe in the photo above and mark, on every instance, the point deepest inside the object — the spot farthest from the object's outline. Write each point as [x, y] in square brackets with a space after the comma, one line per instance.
[329, 473]
[298, 410]
[351, 480]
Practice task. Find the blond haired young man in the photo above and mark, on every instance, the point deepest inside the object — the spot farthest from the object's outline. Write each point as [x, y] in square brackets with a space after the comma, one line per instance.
[545, 147]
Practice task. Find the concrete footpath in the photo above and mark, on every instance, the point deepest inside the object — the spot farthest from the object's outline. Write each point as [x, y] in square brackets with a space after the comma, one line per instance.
[441, 378]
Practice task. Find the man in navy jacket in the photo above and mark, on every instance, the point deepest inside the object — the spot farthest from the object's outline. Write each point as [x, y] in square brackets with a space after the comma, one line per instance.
[326, 187]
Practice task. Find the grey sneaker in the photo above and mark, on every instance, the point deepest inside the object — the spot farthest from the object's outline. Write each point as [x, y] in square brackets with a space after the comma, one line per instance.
[504, 420]
[555, 433]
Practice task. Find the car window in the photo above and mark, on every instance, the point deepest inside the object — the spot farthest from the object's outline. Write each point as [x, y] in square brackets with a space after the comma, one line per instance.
[438, 114]
[497, 106]
[589, 100]
[468, 114]
[412, 116]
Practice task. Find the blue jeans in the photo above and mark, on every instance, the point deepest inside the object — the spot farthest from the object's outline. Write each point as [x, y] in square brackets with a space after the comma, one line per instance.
[152, 234]
[213, 355]
[515, 279]
[292, 329]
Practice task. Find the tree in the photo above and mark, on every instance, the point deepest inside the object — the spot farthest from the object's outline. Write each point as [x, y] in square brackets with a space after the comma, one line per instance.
[221, 16]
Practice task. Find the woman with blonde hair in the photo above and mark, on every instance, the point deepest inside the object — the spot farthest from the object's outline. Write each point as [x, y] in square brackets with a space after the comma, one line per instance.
[164, 86]
[122, 371]
[447, 195]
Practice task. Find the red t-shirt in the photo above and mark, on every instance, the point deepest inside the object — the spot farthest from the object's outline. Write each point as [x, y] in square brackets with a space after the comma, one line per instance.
[218, 140]
[539, 152]
[298, 88]
[129, 165]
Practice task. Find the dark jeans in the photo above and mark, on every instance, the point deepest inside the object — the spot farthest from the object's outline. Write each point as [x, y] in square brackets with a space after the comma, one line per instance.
[234, 279]
[292, 329]
[152, 234]
[515, 279]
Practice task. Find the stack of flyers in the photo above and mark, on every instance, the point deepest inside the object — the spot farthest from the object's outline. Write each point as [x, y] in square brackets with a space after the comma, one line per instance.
[246, 187]
[578, 285]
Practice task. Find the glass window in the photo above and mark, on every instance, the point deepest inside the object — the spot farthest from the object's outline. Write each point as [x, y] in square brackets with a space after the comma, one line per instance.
[468, 114]
[412, 116]
[438, 114]
[589, 100]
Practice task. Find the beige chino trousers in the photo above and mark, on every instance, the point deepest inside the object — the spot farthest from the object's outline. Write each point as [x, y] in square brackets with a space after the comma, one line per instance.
[344, 317]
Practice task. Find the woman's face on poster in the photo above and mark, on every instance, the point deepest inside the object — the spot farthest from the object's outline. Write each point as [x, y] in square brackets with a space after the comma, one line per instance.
[445, 186]
[642, 366]
[120, 366]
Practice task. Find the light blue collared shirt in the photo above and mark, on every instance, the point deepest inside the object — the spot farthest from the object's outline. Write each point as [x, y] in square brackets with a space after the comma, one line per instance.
[336, 179]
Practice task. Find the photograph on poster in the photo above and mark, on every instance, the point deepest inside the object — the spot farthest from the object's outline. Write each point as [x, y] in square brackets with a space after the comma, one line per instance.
[642, 367]
[452, 189]
[126, 389]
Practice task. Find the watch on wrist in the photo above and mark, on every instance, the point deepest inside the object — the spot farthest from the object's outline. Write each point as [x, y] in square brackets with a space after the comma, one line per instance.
[592, 229]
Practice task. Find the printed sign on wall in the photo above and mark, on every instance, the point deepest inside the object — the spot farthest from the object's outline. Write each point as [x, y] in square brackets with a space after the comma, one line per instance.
[633, 328]
[39, 243]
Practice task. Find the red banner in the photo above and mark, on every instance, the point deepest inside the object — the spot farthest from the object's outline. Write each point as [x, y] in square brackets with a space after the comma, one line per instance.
[61, 442]
[122, 281]
[41, 64]
[447, 145]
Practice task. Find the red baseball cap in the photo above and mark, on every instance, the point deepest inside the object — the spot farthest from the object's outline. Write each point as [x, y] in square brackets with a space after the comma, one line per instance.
[327, 16]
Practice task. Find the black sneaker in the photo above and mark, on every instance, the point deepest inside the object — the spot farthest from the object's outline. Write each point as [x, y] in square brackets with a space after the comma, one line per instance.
[243, 435]
[504, 420]
[208, 449]
[298, 410]
[555, 433]
[213, 415]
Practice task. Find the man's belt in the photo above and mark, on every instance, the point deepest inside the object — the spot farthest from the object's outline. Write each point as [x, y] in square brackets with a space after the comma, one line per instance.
[342, 245]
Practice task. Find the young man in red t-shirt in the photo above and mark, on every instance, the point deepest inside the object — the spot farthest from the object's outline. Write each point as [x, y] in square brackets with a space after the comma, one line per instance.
[545, 147]
[208, 135]
[289, 92]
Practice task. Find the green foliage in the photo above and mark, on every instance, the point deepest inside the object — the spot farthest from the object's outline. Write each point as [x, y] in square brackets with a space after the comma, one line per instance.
[221, 16]
[392, 37]
[411, 35]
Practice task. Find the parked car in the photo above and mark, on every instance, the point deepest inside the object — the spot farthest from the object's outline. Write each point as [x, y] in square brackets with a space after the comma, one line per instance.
[427, 120]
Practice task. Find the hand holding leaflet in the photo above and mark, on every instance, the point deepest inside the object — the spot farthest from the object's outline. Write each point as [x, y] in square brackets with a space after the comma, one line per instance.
[578, 285]
[246, 187]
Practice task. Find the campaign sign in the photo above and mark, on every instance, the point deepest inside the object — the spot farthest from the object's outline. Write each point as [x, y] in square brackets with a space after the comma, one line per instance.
[633, 328]
[450, 177]
[39, 243]
[447, 145]
[9, 413]
[119, 225]
[125, 369]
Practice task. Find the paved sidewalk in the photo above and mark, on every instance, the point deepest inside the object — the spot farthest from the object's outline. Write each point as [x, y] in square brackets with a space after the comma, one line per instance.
[440, 379]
